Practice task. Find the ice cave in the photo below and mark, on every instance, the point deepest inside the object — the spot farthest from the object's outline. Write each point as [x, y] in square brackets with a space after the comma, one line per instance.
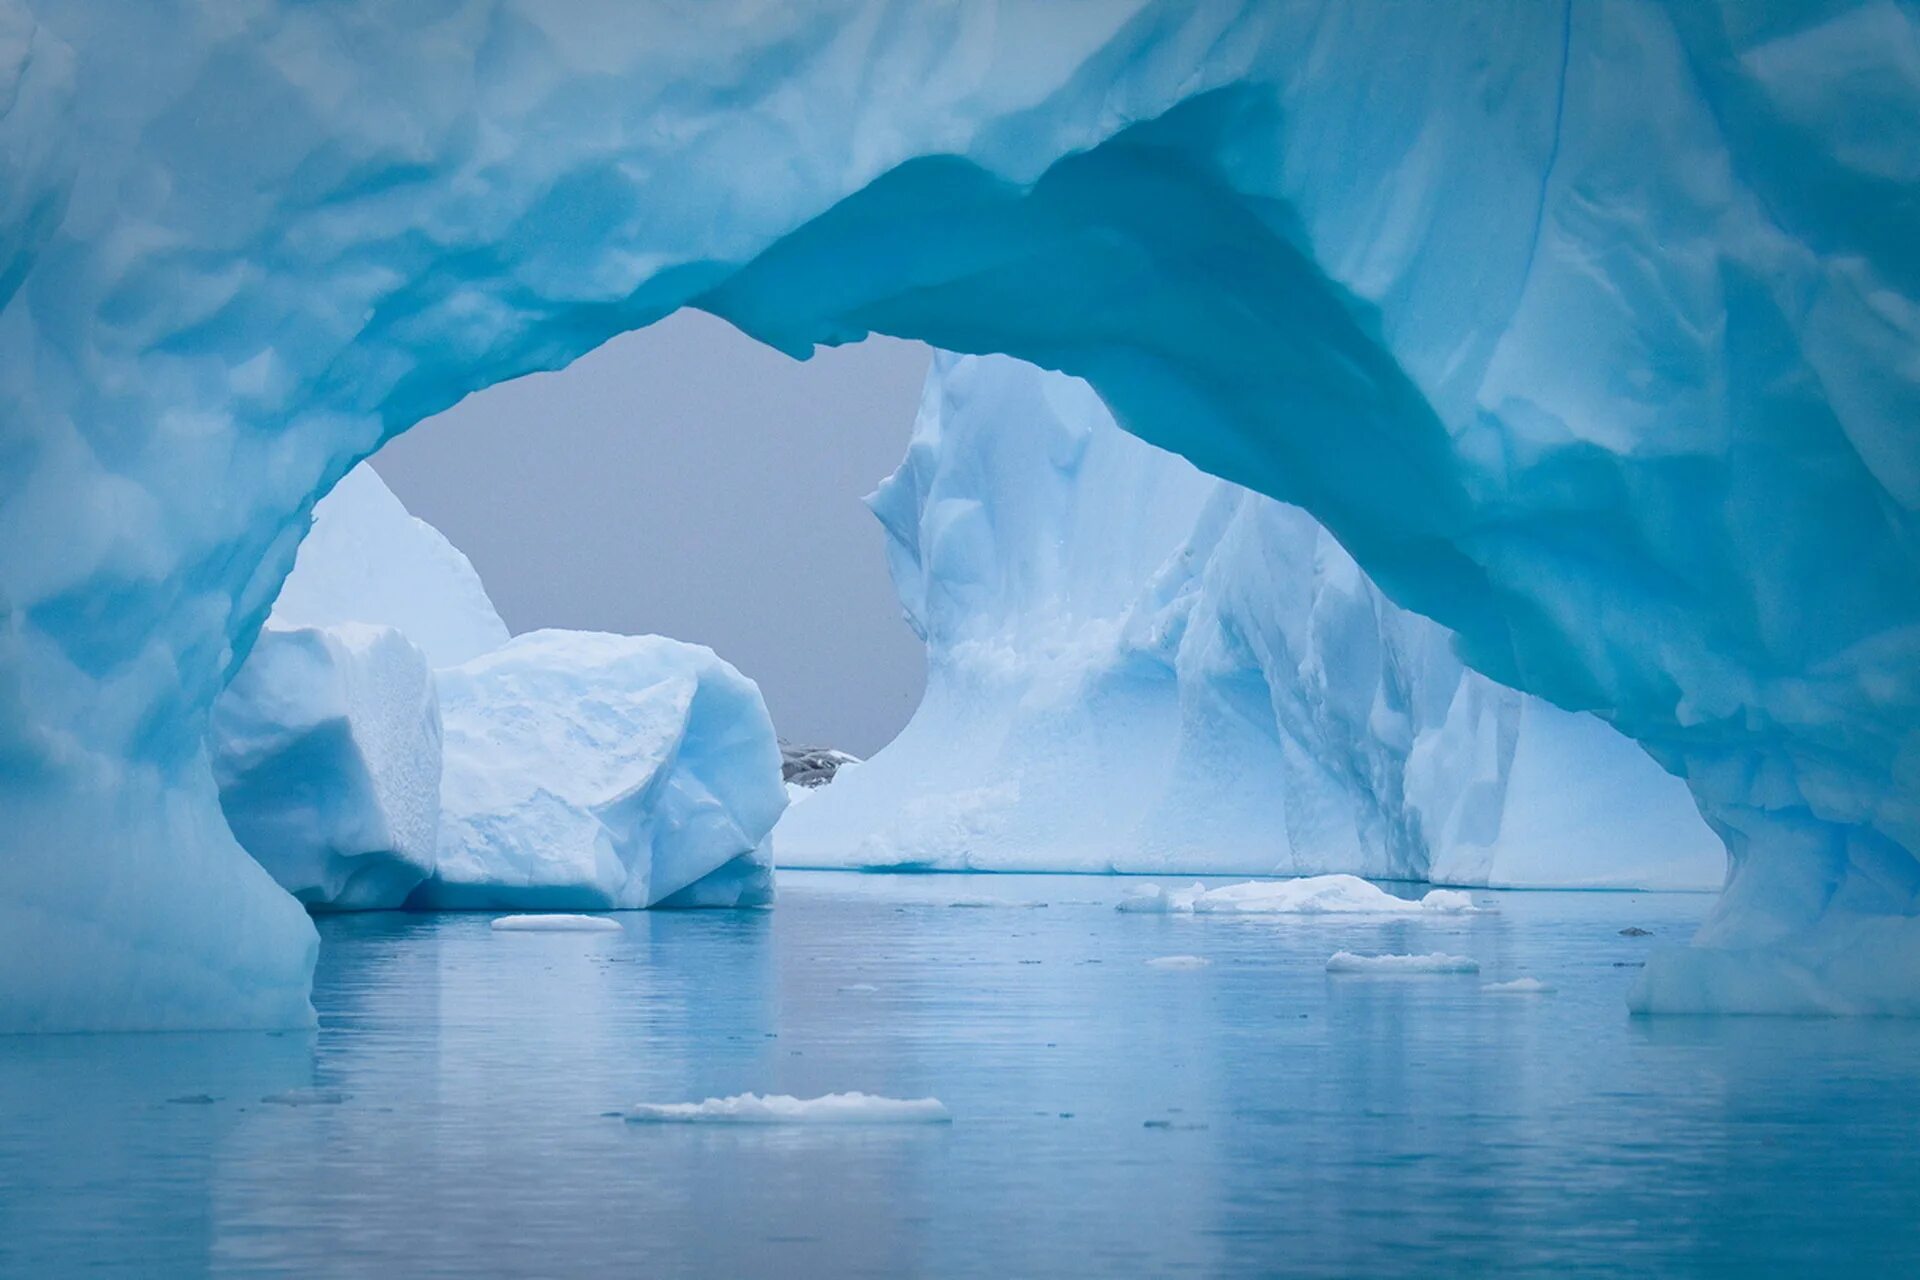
[1588, 334]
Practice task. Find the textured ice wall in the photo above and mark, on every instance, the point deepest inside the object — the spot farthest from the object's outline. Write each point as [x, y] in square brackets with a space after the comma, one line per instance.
[587, 771]
[1133, 666]
[326, 748]
[1587, 329]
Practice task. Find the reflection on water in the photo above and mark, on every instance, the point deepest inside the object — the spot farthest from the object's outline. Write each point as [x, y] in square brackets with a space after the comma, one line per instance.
[1254, 1117]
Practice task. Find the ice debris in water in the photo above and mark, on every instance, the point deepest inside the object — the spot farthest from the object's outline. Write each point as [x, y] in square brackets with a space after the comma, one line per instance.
[1307, 896]
[1434, 962]
[555, 923]
[1178, 962]
[833, 1108]
[994, 902]
[1520, 987]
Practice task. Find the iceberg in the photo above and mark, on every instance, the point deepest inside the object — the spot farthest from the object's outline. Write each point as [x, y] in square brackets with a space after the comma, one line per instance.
[326, 749]
[1586, 331]
[588, 772]
[1135, 667]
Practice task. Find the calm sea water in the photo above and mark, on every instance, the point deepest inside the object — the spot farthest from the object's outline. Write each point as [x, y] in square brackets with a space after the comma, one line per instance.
[1253, 1117]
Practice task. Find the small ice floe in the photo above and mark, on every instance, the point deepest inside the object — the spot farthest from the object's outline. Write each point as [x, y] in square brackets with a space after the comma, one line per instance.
[1520, 987]
[859, 987]
[1435, 962]
[1306, 896]
[1178, 962]
[307, 1098]
[990, 903]
[834, 1108]
[555, 923]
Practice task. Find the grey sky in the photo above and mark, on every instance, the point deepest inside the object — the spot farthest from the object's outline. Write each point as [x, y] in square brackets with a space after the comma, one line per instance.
[688, 481]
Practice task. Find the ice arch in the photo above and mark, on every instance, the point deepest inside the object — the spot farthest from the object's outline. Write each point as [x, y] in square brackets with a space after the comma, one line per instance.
[1589, 332]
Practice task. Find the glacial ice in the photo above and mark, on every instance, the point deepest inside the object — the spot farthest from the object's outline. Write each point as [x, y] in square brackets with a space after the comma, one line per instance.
[1392, 965]
[832, 1108]
[326, 749]
[1519, 987]
[1135, 667]
[1586, 330]
[588, 771]
[1179, 962]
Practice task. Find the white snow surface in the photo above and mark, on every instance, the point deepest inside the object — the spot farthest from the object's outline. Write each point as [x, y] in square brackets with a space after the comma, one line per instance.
[1136, 667]
[831, 1109]
[1336, 894]
[326, 749]
[555, 922]
[591, 771]
[1390, 965]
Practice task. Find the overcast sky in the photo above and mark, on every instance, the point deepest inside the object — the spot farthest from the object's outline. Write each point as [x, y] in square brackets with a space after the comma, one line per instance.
[687, 481]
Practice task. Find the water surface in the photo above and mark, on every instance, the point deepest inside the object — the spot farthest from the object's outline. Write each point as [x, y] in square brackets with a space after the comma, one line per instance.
[1253, 1117]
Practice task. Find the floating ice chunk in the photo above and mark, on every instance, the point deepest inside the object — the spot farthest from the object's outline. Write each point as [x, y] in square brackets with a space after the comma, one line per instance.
[588, 771]
[1153, 899]
[557, 922]
[991, 903]
[1307, 896]
[1178, 962]
[1435, 962]
[834, 1108]
[859, 987]
[1520, 987]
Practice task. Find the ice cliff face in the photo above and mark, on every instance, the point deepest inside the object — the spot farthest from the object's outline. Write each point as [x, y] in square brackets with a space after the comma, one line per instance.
[326, 749]
[1587, 329]
[1134, 666]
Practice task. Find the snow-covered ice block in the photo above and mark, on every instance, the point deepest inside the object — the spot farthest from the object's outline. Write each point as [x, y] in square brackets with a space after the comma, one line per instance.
[833, 1108]
[555, 922]
[1434, 962]
[1307, 896]
[1519, 987]
[326, 749]
[594, 771]
[1178, 962]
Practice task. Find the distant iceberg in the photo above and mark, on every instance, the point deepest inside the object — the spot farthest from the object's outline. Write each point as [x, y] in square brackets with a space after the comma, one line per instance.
[1136, 667]
[560, 769]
